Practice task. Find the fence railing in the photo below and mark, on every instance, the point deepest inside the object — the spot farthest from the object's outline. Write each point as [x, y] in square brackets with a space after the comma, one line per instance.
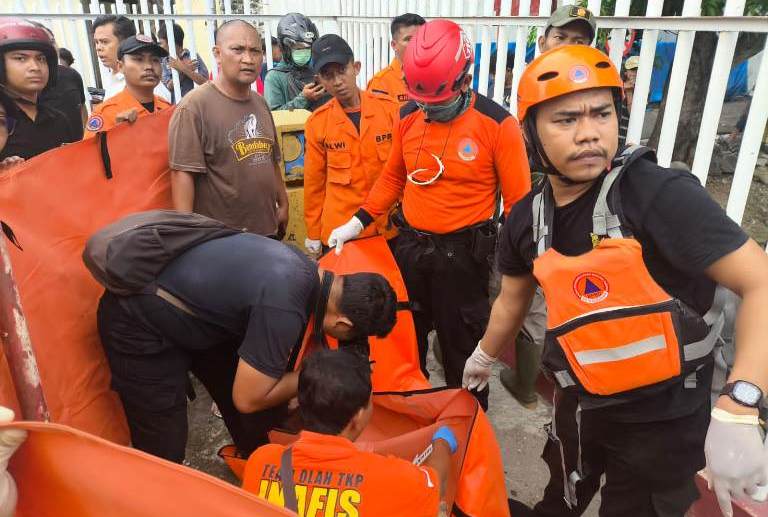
[365, 25]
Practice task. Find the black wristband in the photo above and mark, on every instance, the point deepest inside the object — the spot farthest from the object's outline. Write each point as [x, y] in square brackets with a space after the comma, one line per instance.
[364, 217]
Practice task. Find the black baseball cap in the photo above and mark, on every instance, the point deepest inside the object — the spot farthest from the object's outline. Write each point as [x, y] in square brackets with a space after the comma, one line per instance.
[140, 43]
[330, 48]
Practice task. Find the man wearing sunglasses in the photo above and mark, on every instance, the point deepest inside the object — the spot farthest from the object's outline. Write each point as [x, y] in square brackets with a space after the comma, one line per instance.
[29, 63]
[453, 154]
[347, 144]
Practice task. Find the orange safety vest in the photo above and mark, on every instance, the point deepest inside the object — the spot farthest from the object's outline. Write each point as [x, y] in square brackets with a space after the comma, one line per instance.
[610, 327]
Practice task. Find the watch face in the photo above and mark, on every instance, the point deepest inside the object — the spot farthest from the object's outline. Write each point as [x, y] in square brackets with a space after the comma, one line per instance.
[747, 393]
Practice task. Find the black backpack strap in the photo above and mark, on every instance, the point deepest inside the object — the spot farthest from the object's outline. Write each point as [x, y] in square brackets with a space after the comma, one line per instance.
[607, 215]
[286, 476]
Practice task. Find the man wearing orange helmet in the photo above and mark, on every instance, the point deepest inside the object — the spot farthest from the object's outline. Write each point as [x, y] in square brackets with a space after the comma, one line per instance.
[453, 152]
[629, 255]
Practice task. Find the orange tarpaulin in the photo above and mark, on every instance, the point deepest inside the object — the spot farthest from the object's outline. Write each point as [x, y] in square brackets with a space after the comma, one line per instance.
[63, 472]
[407, 411]
[395, 357]
[53, 203]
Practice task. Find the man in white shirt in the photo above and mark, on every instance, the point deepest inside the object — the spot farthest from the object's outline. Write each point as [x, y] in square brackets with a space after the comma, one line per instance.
[108, 31]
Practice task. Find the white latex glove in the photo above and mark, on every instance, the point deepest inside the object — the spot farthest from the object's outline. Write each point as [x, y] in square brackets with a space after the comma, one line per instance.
[477, 369]
[737, 463]
[10, 439]
[314, 246]
[344, 233]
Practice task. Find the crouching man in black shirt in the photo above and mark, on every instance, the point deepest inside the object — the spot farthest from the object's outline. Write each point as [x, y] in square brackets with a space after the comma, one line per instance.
[629, 261]
[231, 311]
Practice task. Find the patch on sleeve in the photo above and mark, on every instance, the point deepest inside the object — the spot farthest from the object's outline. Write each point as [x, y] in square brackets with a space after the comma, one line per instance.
[94, 123]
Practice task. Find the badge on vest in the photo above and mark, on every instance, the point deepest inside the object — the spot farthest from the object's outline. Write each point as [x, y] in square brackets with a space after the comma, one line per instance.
[95, 122]
[590, 287]
[467, 149]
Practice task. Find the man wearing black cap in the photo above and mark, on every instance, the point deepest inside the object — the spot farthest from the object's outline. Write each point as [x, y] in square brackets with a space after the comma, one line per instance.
[139, 60]
[347, 143]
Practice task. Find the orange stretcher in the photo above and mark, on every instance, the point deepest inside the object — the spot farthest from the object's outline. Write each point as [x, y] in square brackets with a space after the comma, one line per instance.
[407, 411]
[63, 472]
[53, 203]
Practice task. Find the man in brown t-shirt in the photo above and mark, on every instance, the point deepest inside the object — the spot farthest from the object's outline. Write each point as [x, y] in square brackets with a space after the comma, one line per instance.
[222, 142]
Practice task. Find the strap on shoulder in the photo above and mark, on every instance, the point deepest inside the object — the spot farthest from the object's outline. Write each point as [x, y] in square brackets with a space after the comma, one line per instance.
[543, 207]
[606, 222]
[286, 477]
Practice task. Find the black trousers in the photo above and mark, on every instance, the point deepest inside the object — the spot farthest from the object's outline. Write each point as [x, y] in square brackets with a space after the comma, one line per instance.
[448, 290]
[649, 467]
[151, 346]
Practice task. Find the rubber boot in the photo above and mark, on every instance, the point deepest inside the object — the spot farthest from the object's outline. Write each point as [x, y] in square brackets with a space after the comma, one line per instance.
[521, 384]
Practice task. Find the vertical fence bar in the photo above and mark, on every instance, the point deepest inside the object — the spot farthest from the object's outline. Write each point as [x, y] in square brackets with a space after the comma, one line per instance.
[369, 48]
[677, 80]
[485, 59]
[521, 40]
[190, 33]
[500, 74]
[268, 45]
[594, 6]
[145, 24]
[643, 79]
[211, 23]
[618, 36]
[750, 144]
[168, 14]
[545, 9]
[718, 83]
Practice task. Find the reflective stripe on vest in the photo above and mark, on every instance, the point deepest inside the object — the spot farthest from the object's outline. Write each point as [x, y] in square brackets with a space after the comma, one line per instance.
[609, 321]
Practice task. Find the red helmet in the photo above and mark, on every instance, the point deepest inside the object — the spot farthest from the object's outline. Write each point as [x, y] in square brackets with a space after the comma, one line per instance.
[436, 61]
[20, 34]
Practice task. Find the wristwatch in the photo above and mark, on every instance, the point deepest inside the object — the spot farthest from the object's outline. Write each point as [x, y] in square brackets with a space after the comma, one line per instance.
[744, 393]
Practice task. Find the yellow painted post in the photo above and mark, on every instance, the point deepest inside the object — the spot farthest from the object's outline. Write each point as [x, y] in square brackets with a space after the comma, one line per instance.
[290, 138]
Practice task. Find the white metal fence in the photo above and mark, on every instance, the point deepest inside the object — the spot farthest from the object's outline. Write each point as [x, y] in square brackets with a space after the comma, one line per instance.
[365, 25]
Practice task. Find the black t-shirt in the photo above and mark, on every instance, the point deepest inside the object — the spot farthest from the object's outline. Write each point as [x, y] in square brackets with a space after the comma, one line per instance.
[354, 116]
[682, 231]
[252, 287]
[67, 96]
[49, 130]
[149, 106]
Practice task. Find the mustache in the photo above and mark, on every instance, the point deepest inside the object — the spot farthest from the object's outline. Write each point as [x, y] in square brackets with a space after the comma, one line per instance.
[589, 153]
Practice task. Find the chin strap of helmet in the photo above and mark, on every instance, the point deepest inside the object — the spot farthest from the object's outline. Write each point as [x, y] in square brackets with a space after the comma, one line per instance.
[321, 305]
[15, 97]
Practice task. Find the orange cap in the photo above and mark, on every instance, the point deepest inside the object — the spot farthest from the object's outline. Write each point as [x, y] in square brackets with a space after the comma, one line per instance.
[563, 70]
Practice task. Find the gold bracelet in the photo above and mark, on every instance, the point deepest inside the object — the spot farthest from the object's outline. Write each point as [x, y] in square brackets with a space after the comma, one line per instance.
[722, 415]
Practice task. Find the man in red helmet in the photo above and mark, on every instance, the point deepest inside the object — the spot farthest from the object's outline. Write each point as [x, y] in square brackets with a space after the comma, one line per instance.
[453, 153]
[629, 256]
[28, 63]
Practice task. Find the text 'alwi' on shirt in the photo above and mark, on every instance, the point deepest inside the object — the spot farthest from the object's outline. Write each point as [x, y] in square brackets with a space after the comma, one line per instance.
[333, 477]
[341, 164]
[479, 151]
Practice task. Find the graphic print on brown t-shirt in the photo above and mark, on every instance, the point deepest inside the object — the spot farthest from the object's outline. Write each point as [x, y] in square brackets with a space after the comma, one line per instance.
[229, 145]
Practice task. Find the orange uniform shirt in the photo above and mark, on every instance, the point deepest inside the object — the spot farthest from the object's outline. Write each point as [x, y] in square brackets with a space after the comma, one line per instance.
[334, 478]
[480, 150]
[389, 81]
[104, 114]
[341, 165]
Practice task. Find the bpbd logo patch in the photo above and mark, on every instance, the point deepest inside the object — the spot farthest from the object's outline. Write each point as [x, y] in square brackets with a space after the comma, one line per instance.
[591, 287]
[95, 122]
[579, 74]
[467, 149]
